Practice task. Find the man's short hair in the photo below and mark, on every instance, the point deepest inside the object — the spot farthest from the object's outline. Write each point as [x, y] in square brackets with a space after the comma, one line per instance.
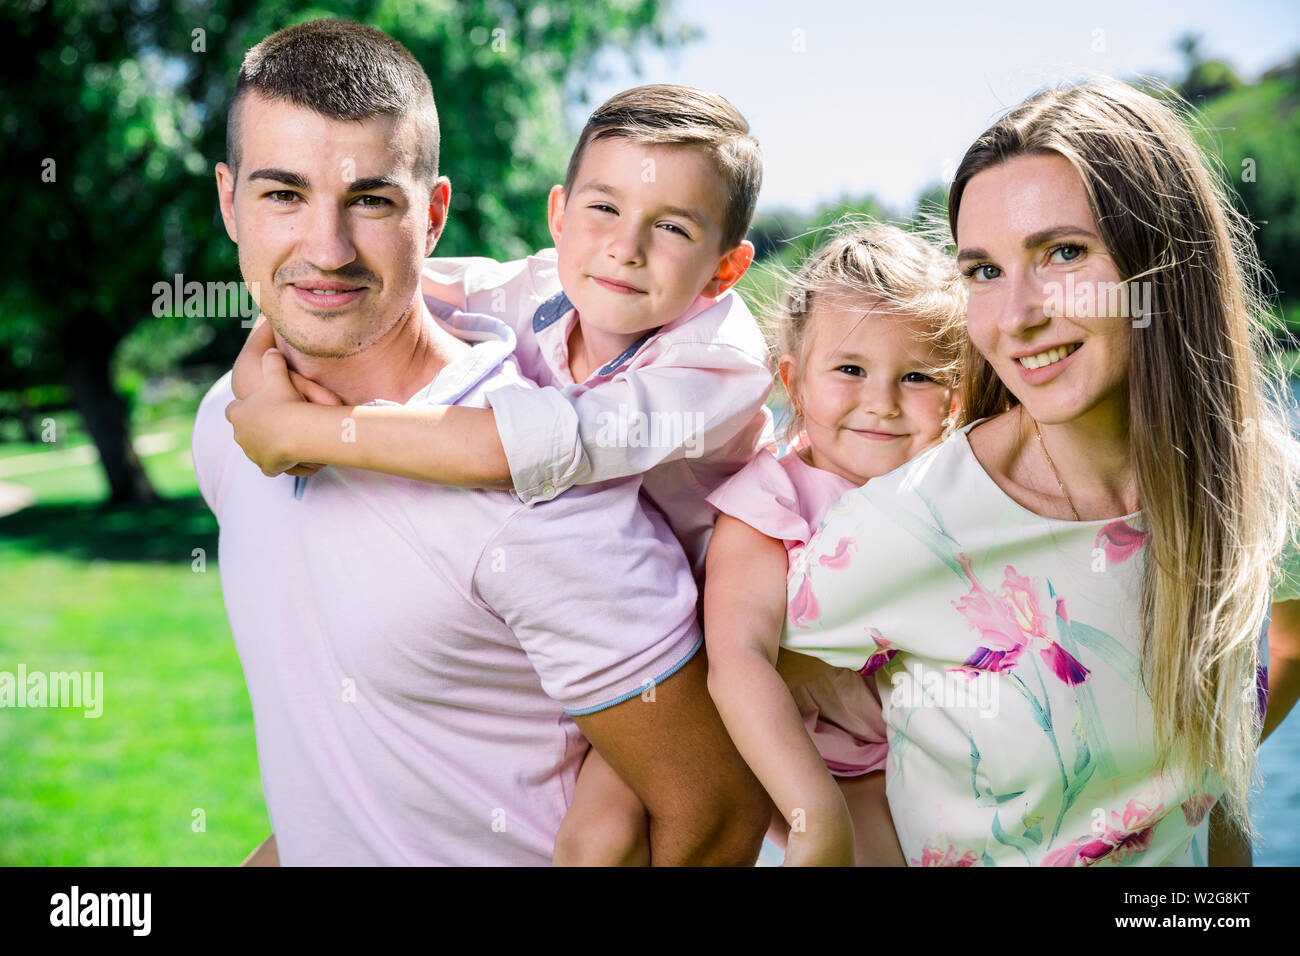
[341, 70]
[665, 115]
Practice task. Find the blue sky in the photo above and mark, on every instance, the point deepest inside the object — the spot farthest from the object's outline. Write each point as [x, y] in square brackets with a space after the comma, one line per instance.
[885, 102]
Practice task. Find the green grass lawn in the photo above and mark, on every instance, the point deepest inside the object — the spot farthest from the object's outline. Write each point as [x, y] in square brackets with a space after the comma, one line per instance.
[167, 775]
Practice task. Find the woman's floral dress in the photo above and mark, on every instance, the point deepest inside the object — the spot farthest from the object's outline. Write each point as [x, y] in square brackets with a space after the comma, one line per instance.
[1006, 649]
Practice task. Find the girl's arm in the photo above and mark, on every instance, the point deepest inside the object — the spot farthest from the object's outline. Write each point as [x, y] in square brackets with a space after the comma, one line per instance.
[744, 610]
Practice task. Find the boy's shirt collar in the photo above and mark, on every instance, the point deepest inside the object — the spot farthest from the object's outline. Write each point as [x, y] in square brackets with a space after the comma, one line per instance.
[553, 334]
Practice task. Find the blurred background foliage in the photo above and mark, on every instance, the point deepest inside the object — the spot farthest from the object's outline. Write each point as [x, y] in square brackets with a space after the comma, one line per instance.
[112, 115]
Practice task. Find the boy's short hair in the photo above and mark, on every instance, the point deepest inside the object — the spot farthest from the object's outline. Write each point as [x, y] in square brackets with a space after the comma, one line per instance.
[341, 70]
[662, 114]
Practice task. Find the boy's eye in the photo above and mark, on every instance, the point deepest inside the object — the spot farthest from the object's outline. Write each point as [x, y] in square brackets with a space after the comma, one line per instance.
[1068, 253]
[602, 207]
[673, 227]
[982, 272]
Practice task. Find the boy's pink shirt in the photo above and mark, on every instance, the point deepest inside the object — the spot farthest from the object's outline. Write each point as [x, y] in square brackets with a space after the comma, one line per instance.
[703, 377]
[408, 659]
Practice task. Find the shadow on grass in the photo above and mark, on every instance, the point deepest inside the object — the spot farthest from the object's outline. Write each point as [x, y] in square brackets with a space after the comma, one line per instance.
[167, 532]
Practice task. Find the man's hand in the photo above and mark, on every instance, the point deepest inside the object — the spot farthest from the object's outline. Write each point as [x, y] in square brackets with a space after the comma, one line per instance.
[259, 420]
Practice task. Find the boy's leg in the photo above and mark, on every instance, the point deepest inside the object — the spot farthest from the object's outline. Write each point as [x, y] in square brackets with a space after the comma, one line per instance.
[606, 824]
[875, 840]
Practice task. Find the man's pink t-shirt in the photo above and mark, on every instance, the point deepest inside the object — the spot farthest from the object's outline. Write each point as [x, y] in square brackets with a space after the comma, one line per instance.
[787, 499]
[412, 651]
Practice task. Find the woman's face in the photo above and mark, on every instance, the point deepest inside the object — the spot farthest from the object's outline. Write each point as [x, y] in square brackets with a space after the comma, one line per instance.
[1046, 306]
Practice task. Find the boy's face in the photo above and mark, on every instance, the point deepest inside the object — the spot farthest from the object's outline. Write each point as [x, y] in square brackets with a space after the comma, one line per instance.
[332, 221]
[639, 238]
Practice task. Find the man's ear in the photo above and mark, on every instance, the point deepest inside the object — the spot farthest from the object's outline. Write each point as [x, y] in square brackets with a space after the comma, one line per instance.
[555, 213]
[731, 267]
[439, 204]
[226, 199]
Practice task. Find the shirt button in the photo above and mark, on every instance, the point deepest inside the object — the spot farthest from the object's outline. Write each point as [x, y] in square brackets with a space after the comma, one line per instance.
[548, 491]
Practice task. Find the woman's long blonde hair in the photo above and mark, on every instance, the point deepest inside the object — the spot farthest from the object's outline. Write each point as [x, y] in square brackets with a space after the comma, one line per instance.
[1207, 432]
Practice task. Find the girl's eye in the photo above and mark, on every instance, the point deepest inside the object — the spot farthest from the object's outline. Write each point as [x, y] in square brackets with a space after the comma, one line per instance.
[1068, 253]
[850, 369]
[982, 272]
[918, 377]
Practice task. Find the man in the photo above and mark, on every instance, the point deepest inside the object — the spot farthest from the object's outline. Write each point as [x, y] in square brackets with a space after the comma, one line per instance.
[411, 650]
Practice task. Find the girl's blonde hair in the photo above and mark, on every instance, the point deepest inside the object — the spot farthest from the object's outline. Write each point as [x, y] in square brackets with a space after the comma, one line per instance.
[874, 267]
[1207, 430]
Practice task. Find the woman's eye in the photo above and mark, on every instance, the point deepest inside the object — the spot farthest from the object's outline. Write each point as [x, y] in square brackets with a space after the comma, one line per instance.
[1067, 253]
[984, 272]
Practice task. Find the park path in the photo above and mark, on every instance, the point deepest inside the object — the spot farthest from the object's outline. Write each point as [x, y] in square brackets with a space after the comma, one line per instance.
[15, 497]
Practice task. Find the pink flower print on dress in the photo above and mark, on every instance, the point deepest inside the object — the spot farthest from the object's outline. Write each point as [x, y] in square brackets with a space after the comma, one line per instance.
[1196, 807]
[1009, 623]
[803, 606]
[840, 559]
[1120, 540]
[883, 653]
[938, 853]
[1128, 835]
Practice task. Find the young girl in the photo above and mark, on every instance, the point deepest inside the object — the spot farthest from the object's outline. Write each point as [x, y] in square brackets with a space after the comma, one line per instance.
[1099, 542]
[870, 335]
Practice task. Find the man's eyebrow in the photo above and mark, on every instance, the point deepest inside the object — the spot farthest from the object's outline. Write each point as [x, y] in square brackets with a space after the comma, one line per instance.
[1034, 240]
[280, 176]
[297, 181]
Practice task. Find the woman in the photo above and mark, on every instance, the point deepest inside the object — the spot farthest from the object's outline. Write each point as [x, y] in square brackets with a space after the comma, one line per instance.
[1064, 602]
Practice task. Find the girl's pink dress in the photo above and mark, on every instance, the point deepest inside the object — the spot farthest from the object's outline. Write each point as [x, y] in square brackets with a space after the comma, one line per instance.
[786, 498]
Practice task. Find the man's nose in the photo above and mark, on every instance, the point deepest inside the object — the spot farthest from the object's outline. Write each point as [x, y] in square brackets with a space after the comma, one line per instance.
[327, 241]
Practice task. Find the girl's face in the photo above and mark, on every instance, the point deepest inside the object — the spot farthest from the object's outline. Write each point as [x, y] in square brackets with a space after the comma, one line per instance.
[1046, 308]
[867, 389]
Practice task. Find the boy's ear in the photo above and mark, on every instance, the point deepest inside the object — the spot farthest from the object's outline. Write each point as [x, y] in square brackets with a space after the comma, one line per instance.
[731, 267]
[555, 213]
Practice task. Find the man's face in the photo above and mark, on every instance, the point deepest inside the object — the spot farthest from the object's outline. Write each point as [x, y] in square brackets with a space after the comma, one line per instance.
[640, 236]
[332, 222]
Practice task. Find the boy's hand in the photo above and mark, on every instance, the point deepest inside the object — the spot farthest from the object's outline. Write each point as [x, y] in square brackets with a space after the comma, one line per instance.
[248, 364]
[259, 420]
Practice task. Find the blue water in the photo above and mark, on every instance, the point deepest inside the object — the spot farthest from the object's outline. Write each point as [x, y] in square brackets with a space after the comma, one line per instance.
[1277, 807]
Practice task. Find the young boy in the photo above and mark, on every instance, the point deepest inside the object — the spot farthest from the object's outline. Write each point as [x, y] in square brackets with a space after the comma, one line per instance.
[649, 363]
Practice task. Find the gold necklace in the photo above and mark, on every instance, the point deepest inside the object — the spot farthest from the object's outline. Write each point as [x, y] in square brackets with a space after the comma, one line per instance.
[1055, 473]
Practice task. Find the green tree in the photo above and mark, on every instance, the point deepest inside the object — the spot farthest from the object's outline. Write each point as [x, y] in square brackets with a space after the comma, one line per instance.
[112, 116]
